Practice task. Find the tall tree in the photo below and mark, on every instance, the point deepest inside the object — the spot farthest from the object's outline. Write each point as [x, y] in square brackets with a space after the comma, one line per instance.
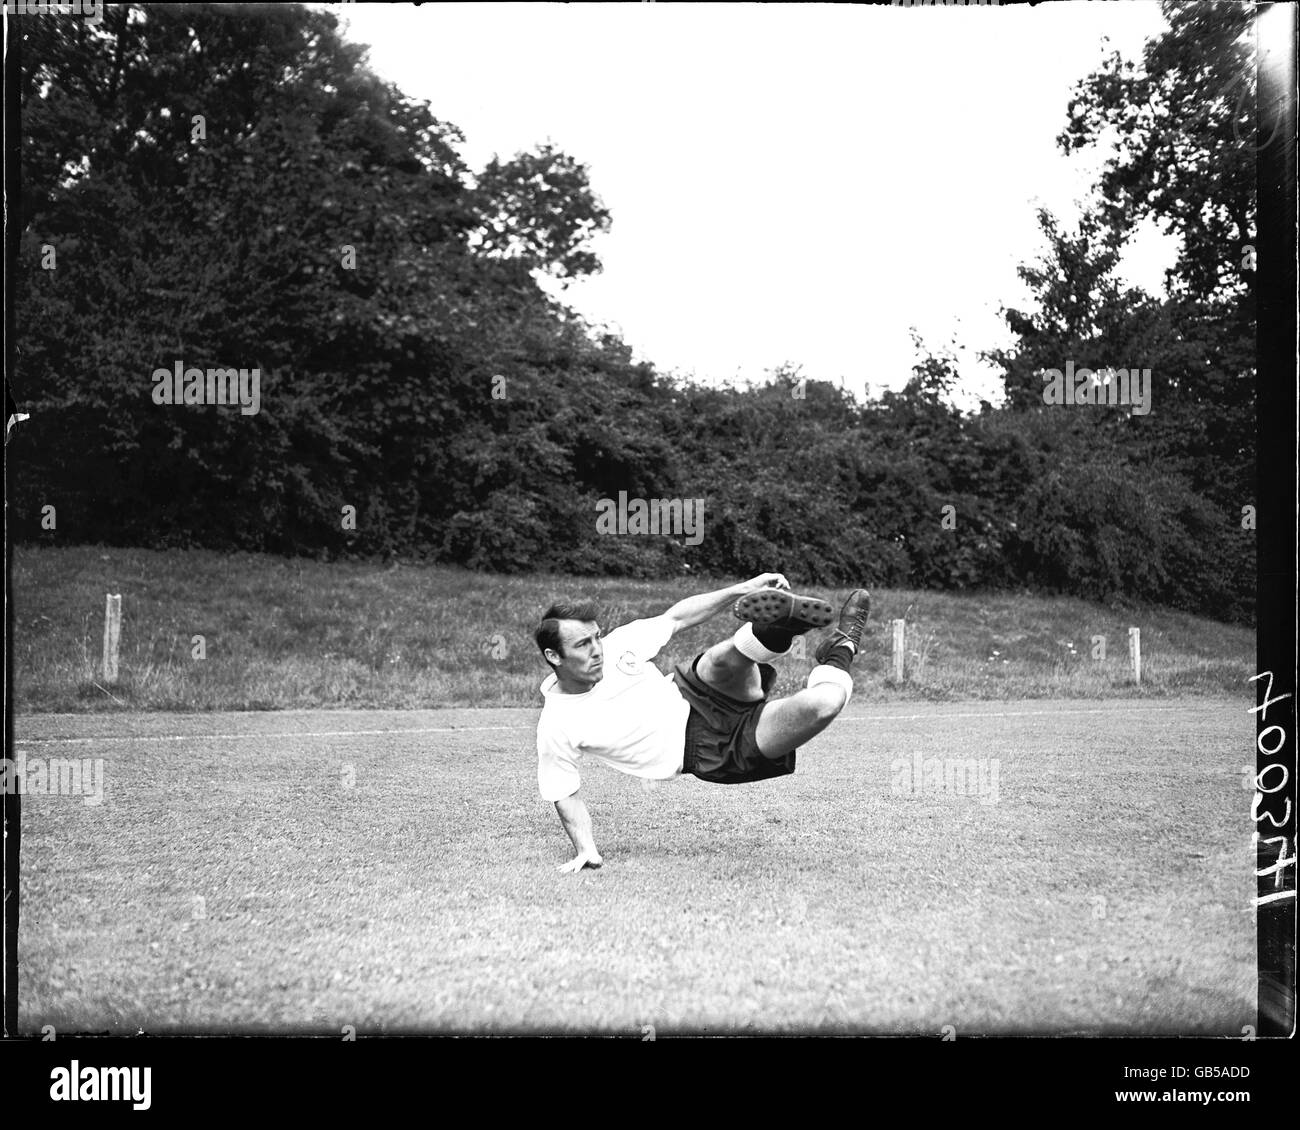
[1187, 134]
[238, 189]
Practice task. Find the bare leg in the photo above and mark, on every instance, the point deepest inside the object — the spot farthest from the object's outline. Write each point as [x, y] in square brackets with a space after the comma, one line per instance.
[787, 723]
[784, 725]
[728, 672]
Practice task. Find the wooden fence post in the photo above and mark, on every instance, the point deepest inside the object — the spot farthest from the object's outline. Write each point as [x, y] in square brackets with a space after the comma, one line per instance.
[112, 633]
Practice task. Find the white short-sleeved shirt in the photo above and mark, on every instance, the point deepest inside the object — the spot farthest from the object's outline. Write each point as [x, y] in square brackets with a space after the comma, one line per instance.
[633, 720]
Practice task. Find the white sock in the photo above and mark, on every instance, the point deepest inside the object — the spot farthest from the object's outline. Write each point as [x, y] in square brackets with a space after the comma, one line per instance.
[748, 646]
[822, 674]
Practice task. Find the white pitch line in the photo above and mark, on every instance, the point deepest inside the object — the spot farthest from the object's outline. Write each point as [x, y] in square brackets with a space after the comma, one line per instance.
[483, 729]
[259, 734]
[1007, 714]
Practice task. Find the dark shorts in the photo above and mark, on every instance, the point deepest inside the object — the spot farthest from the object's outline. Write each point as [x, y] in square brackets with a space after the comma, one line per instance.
[720, 744]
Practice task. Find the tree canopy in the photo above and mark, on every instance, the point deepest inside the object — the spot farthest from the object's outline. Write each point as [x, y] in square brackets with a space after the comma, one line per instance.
[231, 186]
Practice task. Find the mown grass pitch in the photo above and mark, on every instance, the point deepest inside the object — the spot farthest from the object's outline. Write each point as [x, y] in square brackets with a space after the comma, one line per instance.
[309, 871]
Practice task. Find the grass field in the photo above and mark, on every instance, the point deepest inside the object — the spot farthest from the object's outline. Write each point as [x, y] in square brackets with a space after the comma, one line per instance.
[293, 634]
[396, 872]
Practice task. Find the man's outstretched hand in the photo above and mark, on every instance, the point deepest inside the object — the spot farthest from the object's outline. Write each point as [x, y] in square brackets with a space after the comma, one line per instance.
[696, 609]
[581, 860]
[766, 581]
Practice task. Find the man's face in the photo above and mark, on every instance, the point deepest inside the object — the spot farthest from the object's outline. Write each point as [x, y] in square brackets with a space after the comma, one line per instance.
[582, 662]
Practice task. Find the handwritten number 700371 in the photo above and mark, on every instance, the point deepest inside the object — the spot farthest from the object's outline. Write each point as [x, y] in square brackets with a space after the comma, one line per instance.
[1270, 780]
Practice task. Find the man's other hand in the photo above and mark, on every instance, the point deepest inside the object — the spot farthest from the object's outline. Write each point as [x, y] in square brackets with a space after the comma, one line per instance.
[581, 860]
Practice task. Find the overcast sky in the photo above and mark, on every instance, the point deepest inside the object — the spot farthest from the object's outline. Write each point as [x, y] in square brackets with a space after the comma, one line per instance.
[788, 183]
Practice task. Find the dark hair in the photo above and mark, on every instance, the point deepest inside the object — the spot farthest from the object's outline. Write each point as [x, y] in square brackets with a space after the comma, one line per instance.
[547, 634]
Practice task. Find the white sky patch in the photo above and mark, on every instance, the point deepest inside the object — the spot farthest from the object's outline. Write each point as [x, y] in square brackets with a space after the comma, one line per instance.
[788, 183]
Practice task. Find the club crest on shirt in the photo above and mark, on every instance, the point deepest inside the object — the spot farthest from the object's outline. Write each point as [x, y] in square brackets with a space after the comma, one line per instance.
[629, 664]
